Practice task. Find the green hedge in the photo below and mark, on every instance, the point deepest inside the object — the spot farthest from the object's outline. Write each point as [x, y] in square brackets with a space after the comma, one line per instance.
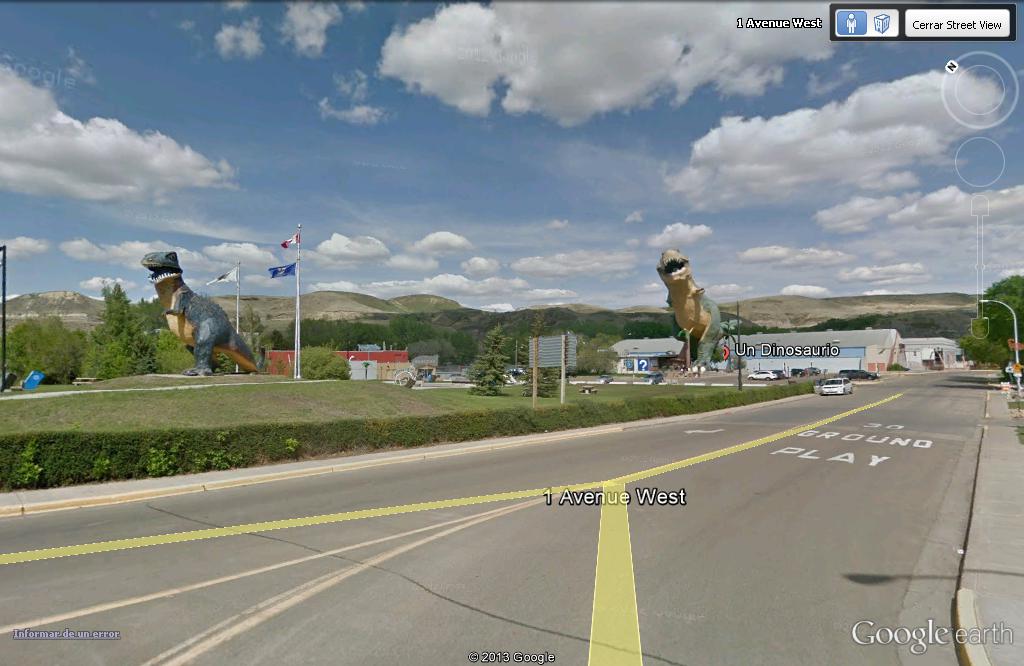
[59, 458]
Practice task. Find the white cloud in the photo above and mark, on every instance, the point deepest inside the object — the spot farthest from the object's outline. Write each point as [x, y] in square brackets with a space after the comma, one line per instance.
[679, 234]
[864, 141]
[498, 307]
[354, 86]
[46, 152]
[902, 273]
[480, 266]
[792, 256]
[235, 5]
[633, 242]
[264, 280]
[883, 292]
[25, 246]
[858, 213]
[847, 72]
[409, 262]
[549, 294]
[79, 68]
[558, 224]
[240, 41]
[635, 217]
[447, 284]
[187, 25]
[577, 262]
[358, 114]
[729, 290]
[1010, 272]
[98, 283]
[305, 26]
[811, 290]
[130, 253]
[341, 250]
[338, 285]
[249, 254]
[951, 207]
[441, 242]
[561, 60]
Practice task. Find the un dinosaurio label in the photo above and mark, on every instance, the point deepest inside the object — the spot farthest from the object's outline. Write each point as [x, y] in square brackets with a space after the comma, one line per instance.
[693, 311]
[198, 322]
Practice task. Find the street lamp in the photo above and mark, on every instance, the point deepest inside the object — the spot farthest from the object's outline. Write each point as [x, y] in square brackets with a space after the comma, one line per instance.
[1016, 339]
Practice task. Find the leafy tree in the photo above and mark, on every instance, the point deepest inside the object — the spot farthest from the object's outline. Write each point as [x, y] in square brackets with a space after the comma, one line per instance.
[120, 345]
[277, 340]
[48, 346]
[993, 348]
[647, 329]
[251, 327]
[595, 356]
[488, 372]
[152, 314]
[323, 363]
[441, 347]
[171, 355]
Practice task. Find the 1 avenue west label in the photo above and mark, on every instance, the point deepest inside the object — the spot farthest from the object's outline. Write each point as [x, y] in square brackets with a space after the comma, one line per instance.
[641, 496]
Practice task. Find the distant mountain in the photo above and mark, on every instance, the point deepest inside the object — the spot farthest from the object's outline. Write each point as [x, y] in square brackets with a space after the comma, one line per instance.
[801, 311]
[74, 309]
[913, 314]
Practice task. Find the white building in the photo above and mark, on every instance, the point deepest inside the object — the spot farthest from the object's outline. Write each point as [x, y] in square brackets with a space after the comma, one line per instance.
[931, 354]
[646, 354]
[873, 350]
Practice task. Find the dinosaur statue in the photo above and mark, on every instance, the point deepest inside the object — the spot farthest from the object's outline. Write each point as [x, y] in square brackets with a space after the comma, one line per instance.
[198, 322]
[694, 312]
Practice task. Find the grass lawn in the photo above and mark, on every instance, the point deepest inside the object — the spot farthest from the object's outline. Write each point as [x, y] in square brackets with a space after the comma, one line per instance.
[278, 401]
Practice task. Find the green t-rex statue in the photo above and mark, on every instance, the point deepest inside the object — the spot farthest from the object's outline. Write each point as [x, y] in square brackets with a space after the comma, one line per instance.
[198, 322]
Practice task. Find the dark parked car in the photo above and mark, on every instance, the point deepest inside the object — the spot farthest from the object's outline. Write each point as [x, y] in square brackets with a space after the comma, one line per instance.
[858, 374]
[654, 378]
[779, 374]
[604, 379]
[811, 372]
[796, 372]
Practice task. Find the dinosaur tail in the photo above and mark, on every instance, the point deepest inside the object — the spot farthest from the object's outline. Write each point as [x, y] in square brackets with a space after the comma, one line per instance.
[240, 353]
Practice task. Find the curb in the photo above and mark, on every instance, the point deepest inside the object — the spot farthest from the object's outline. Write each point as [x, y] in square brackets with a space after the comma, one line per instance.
[965, 616]
[255, 479]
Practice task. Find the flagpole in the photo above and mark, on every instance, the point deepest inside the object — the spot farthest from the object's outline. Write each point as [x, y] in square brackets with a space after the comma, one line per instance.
[238, 297]
[298, 304]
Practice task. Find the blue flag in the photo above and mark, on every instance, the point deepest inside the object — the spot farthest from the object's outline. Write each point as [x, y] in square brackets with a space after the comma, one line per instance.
[281, 271]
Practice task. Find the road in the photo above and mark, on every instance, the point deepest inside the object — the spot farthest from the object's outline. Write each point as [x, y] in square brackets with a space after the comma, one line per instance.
[782, 546]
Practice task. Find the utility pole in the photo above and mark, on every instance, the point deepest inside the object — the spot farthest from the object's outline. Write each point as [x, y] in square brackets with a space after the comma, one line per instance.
[739, 358]
[565, 352]
[536, 368]
[3, 317]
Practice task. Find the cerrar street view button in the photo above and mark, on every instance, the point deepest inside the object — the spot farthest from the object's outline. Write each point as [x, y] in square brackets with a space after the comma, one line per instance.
[938, 23]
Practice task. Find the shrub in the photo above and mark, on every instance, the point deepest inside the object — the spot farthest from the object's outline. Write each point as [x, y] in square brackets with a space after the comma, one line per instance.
[896, 367]
[171, 355]
[48, 459]
[323, 363]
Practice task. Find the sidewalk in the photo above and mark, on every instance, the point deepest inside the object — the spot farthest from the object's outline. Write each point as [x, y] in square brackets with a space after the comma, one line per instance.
[992, 584]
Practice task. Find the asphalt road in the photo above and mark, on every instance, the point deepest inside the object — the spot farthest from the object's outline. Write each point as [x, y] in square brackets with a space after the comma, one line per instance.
[780, 549]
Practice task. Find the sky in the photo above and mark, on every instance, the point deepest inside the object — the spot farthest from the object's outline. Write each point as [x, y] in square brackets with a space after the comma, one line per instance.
[501, 155]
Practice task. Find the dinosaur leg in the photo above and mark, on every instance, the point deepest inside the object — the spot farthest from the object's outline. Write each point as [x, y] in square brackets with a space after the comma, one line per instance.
[705, 350]
[203, 355]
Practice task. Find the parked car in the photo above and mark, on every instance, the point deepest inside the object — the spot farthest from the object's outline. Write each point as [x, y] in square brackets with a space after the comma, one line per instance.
[811, 372]
[766, 375]
[837, 386]
[460, 379]
[796, 372]
[604, 379]
[858, 374]
[654, 378]
[779, 374]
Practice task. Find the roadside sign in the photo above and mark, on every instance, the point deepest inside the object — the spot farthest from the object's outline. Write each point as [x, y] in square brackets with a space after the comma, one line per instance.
[643, 365]
[551, 351]
[725, 352]
[1017, 369]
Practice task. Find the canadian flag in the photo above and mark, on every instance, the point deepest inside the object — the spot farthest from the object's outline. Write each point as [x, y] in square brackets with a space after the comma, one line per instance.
[293, 239]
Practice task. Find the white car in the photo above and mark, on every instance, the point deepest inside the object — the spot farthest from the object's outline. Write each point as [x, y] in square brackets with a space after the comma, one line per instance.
[766, 375]
[838, 386]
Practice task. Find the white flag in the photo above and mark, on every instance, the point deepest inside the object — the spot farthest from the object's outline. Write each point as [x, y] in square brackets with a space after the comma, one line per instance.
[230, 276]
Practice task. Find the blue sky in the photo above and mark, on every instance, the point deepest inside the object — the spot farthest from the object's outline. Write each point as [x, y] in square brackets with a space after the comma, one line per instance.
[500, 155]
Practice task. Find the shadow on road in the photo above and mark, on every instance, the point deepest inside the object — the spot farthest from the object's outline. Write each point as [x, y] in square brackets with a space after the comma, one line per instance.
[884, 579]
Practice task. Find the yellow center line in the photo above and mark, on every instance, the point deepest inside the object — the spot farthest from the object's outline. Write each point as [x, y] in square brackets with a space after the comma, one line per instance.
[330, 518]
[615, 624]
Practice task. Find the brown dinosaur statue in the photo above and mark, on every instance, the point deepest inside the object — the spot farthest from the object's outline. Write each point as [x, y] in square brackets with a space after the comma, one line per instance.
[198, 322]
[694, 312]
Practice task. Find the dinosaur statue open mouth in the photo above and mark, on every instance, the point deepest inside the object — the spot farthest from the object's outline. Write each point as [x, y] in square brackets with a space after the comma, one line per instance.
[673, 266]
[157, 275]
